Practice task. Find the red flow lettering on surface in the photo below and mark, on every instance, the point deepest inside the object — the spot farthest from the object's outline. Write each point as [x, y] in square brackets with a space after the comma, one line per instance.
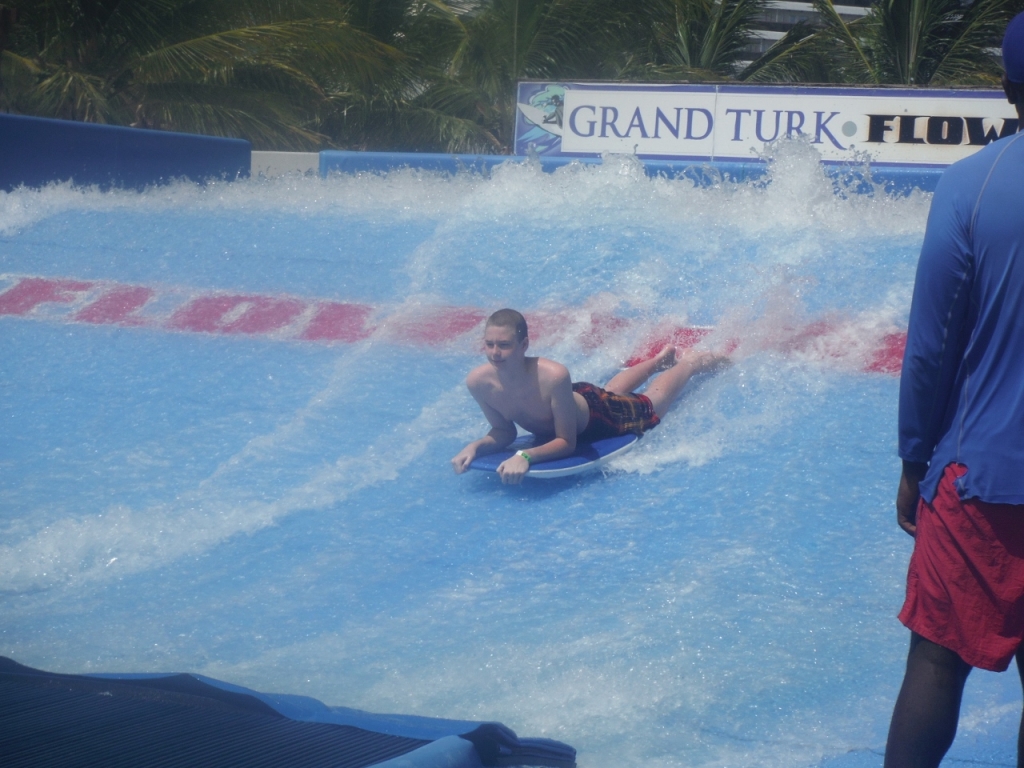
[30, 292]
[888, 358]
[601, 328]
[435, 325]
[682, 338]
[117, 306]
[236, 314]
[334, 321]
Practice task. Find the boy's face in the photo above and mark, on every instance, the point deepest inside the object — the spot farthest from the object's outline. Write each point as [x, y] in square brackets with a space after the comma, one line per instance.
[501, 345]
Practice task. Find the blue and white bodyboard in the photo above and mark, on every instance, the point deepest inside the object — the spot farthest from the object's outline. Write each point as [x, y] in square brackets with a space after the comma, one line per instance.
[586, 457]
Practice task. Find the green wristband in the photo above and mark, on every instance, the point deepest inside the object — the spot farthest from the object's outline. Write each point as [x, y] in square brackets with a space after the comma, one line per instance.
[525, 455]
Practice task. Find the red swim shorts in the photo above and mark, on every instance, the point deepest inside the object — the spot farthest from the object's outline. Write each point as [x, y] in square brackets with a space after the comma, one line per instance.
[965, 584]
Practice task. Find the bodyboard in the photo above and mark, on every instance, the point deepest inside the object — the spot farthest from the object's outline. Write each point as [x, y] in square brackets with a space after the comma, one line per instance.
[586, 457]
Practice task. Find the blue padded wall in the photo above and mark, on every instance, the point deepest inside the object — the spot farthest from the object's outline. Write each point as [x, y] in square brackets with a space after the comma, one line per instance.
[898, 180]
[35, 151]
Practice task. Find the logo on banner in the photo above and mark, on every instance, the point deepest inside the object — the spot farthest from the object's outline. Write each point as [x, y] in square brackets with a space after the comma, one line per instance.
[543, 113]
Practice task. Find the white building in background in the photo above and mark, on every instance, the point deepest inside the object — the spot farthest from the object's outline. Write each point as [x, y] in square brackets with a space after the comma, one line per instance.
[782, 15]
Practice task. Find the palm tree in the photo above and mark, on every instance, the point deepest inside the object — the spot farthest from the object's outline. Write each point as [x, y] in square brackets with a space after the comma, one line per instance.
[413, 105]
[693, 39]
[249, 68]
[905, 42]
[483, 48]
[709, 40]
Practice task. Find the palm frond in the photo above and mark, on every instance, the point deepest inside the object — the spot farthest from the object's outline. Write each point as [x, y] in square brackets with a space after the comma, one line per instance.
[794, 57]
[967, 58]
[71, 95]
[439, 130]
[292, 45]
[139, 25]
[20, 64]
[267, 120]
[698, 36]
[18, 77]
[852, 61]
[443, 117]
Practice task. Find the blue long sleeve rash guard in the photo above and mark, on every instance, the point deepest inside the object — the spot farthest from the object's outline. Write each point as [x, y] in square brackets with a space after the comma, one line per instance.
[962, 386]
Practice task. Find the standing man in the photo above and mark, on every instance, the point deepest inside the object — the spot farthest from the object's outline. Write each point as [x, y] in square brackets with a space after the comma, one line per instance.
[961, 438]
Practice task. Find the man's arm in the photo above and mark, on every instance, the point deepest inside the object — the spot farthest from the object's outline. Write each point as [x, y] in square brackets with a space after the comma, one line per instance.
[935, 342]
[502, 433]
[938, 324]
[563, 409]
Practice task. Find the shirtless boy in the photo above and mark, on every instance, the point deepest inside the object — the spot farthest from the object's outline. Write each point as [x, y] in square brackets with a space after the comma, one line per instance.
[538, 395]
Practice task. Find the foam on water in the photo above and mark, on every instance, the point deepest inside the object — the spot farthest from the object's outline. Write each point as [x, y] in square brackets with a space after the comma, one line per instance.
[282, 515]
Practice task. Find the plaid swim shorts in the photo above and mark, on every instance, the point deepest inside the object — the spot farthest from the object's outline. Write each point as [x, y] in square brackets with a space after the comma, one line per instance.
[612, 414]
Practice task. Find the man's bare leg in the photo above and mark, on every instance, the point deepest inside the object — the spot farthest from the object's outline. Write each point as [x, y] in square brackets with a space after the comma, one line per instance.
[1020, 734]
[925, 717]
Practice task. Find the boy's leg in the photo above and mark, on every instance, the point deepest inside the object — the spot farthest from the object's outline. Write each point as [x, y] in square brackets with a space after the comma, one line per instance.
[927, 709]
[664, 389]
[633, 377]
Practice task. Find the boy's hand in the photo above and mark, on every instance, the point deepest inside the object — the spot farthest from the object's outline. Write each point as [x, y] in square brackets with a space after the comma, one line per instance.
[463, 459]
[512, 470]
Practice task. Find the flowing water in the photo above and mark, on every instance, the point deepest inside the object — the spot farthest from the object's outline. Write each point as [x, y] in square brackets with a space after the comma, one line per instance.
[280, 513]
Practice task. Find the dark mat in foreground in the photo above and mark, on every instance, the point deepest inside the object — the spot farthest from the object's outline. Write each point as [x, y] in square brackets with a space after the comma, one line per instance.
[57, 720]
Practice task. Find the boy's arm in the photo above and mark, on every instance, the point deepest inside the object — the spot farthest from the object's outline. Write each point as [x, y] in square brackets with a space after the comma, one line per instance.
[563, 408]
[502, 433]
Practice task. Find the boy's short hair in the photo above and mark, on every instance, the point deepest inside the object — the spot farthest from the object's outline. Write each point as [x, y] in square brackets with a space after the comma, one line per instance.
[509, 318]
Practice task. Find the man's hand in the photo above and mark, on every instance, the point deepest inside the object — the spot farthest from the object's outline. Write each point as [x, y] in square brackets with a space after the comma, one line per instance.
[464, 458]
[512, 470]
[908, 495]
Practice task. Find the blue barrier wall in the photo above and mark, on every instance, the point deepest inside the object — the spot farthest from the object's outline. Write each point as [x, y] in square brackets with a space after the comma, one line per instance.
[894, 179]
[381, 162]
[35, 151]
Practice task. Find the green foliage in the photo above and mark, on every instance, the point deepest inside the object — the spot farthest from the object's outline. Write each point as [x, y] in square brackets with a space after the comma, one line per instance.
[416, 104]
[798, 57]
[906, 42]
[439, 74]
[488, 47]
[935, 42]
[696, 39]
[250, 68]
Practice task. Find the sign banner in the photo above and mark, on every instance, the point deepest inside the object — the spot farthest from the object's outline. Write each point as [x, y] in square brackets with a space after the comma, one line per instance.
[903, 126]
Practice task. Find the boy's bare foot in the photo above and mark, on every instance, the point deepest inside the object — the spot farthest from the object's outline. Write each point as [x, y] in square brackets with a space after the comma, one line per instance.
[705, 361]
[666, 358]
